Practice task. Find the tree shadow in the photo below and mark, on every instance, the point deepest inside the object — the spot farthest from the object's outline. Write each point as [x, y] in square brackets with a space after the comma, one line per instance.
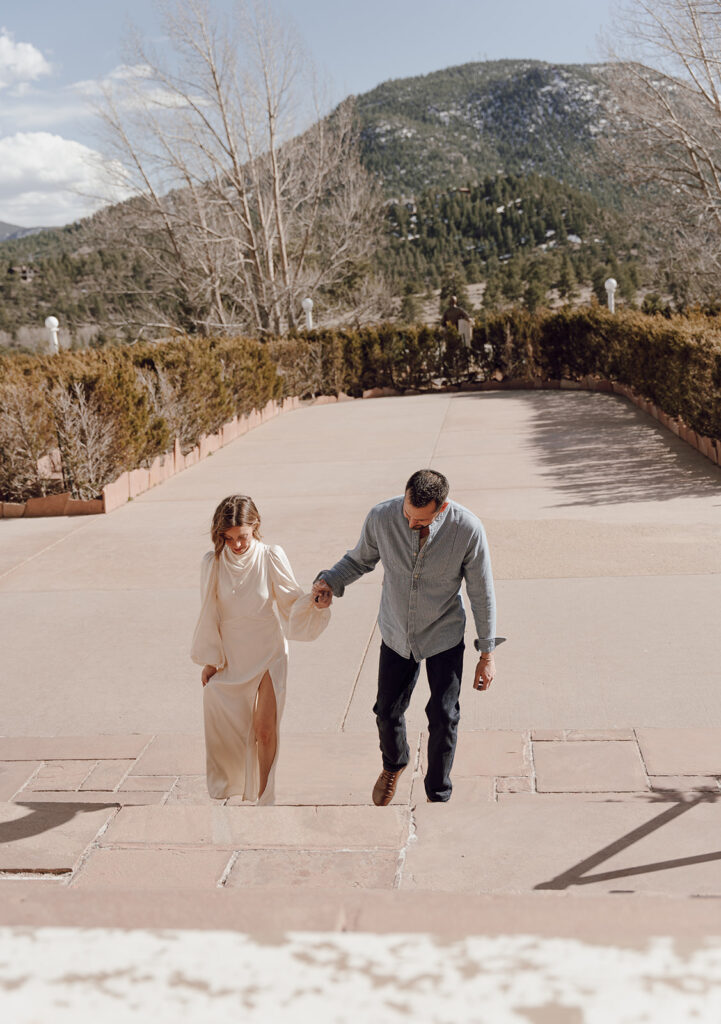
[598, 449]
[44, 817]
[682, 803]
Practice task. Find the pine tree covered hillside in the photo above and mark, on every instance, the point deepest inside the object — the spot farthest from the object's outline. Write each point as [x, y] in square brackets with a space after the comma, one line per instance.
[474, 120]
[522, 235]
[494, 219]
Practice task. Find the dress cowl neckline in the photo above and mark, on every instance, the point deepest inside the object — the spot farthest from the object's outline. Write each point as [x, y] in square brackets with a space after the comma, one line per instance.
[239, 563]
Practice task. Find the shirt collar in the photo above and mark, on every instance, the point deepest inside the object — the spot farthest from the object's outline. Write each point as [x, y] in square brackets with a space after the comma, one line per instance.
[439, 521]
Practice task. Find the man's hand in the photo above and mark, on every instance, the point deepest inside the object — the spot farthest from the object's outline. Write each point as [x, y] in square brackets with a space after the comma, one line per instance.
[322, 594]
[485, 672]
[207, 674]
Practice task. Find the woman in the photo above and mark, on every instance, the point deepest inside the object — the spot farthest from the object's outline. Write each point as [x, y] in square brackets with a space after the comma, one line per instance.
[250, 604]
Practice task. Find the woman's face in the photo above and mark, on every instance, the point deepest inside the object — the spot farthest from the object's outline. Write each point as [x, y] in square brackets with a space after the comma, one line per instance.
[239, 538]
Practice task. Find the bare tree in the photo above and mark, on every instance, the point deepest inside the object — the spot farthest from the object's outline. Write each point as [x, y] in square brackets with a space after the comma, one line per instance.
[237, 215]
[86, 439]
[666, 97]
[23, 442]
[169, 401]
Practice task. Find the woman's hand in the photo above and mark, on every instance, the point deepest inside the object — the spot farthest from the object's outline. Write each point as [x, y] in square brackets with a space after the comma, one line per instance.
[207, 674]
[322, 594]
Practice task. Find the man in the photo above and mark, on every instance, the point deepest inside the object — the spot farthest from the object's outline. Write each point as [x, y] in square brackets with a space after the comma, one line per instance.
[428, 545]
[456, 316]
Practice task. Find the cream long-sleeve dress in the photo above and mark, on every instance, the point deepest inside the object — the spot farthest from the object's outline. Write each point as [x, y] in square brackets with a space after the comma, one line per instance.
[251, 606]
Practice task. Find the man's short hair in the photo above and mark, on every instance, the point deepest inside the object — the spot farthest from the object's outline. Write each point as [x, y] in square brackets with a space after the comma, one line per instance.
[425, 486]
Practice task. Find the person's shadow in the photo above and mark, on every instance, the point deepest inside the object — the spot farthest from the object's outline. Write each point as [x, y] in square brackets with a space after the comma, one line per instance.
[44, 817]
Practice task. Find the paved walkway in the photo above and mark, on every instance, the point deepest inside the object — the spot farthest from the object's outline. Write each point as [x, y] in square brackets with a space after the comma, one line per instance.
[590, 770]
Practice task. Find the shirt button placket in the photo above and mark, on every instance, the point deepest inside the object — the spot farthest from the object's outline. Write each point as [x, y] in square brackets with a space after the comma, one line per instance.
[412, 608]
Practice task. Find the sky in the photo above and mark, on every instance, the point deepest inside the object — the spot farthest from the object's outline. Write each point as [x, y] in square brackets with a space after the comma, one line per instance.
[55, 55]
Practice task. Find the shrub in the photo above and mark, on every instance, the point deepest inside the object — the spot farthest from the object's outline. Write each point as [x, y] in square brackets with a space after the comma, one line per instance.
[113, 409]
[147, 395]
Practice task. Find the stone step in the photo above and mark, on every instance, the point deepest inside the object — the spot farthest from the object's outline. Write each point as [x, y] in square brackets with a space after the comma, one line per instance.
[275, 910]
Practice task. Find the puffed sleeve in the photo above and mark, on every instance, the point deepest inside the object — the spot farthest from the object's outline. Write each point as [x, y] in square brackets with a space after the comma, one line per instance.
[207, 646]
[300, 616]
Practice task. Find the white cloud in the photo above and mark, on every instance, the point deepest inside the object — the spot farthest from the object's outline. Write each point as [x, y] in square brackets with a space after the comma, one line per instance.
[48, 180]
[132, 88]
[19, 62]
[123, 74]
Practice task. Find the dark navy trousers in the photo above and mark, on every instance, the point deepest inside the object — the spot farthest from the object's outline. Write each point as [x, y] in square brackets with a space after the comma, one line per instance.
[397, 677]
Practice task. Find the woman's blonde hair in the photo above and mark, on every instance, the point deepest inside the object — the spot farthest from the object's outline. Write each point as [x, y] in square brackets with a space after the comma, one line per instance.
[236, 510]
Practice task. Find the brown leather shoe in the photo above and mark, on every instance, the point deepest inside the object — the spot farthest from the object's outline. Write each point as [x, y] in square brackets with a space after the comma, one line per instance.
[385, 787]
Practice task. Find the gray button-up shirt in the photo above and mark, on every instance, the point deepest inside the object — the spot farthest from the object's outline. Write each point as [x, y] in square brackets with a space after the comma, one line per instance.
[421, 610]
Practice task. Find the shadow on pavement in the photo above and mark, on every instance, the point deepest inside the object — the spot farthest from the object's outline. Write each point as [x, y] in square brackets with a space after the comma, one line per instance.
[600, 450]
[44, 817]
[682, 803]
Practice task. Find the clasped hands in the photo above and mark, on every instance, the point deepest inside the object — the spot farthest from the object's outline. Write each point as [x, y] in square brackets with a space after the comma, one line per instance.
[322, 594]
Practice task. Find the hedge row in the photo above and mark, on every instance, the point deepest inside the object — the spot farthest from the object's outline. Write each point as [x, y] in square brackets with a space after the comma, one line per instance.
[674, 362]
[114, 409]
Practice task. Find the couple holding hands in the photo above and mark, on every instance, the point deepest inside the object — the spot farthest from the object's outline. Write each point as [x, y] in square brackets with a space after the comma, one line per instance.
[251, 605]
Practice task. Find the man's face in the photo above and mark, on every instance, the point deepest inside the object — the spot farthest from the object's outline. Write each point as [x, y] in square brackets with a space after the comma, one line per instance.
[420, 517]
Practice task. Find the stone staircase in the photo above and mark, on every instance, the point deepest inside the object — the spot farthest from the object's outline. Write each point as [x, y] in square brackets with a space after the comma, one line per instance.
[621, 812]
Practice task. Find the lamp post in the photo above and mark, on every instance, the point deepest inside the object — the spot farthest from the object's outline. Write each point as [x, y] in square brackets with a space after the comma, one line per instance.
[52, 324]
[307, 305]
[611, 285]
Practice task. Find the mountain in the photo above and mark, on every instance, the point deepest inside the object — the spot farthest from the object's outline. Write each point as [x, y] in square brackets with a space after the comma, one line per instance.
[491, 171]
[469, 122]
[10, 232]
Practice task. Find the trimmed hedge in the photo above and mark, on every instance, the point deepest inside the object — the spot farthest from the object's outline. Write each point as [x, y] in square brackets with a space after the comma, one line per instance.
[674, 362]
[152, 393]
[143, 395]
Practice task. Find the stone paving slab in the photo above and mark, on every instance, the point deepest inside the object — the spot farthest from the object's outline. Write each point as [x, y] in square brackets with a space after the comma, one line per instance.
[681, 752]
[317, 869]
[336, 768]
[60, 776]
[687, 784]
[71, 748]
[189, 789]
[586, 735]
[486, 752]
[172, 755]
[466, 791]
[107, 774]
[47, 837]
[625, 920]
[253, 827]
[14, 775]
[590, 767]
[148, 783]
[152, 869]
[103, 797]
[568, 844]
